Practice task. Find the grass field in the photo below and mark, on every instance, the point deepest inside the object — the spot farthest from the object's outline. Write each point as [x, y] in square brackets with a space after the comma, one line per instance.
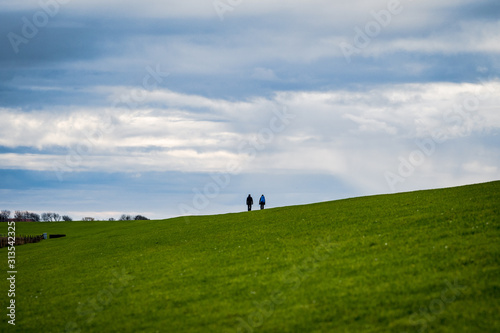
[426, 261]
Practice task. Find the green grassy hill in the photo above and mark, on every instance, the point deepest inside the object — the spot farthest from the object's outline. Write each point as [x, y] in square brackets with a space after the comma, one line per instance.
[426, 261]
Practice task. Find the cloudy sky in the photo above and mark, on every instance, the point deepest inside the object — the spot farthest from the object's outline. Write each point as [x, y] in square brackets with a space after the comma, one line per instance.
[168, 108]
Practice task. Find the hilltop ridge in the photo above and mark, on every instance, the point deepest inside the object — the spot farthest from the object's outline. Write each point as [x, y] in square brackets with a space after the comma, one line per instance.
[405, 262]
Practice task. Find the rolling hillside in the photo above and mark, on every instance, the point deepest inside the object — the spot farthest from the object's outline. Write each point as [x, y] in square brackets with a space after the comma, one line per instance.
[425, 261]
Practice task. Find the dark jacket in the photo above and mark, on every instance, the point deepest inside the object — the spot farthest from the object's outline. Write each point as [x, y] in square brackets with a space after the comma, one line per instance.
[249, 200]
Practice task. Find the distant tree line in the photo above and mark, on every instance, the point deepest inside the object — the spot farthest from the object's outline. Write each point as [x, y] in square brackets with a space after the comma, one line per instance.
[125, 217]
[5, 215]
[54, 217]
[19, 216]
[30, 216]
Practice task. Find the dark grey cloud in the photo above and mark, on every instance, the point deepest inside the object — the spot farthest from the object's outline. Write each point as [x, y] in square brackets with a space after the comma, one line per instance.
[213, 58]
[478, 10]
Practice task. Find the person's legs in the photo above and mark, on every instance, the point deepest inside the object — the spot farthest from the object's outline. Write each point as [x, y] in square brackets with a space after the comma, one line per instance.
[249, 207]
[261, 206]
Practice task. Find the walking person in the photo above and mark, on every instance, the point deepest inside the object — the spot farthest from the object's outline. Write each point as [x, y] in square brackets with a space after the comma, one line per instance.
[262, 201]
[249, 202]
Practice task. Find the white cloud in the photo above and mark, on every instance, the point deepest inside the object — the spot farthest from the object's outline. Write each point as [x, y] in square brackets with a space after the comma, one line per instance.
[353, 135]
[371, 125]
[467, 37]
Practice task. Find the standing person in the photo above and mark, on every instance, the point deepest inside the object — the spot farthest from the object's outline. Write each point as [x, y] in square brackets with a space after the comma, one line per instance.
[249, 202]
[262, 201]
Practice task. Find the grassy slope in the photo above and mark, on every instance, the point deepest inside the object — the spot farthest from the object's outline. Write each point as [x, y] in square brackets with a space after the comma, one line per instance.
[383, 259]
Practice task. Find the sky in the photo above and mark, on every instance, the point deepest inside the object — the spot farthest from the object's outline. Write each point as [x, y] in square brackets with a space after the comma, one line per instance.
[171, 108]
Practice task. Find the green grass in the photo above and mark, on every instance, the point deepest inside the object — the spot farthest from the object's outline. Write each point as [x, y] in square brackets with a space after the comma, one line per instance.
[372, 264]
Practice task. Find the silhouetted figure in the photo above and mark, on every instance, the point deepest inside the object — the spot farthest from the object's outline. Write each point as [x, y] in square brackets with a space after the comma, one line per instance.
[249, 202]
[262, 201]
